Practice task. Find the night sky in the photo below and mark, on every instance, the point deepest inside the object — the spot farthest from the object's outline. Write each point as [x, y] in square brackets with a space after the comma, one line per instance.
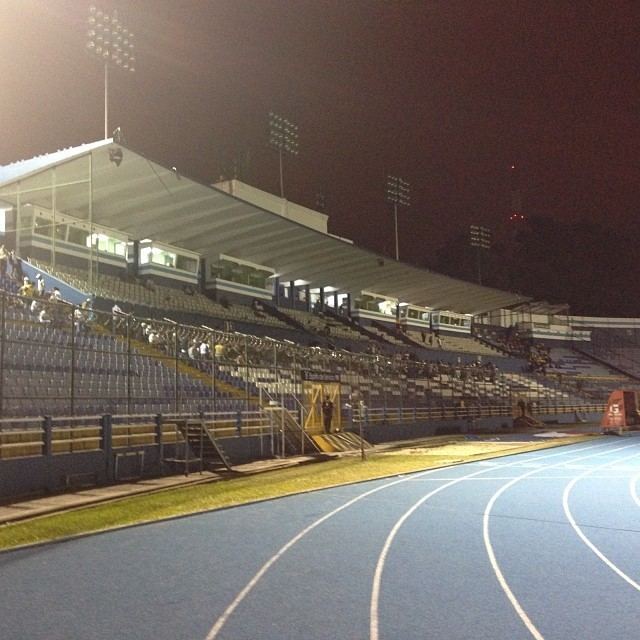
[446, 94]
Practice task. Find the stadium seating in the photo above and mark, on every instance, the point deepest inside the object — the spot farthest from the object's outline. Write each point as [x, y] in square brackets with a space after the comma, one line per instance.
[108, 375]
[39, 379]
[324, 325]
[462, 344]
[158, 296]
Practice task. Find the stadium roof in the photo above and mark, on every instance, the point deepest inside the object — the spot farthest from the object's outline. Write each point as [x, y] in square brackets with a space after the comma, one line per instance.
[135, 195]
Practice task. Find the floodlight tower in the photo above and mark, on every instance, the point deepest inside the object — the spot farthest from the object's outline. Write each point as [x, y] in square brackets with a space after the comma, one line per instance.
[480, 237]
[397, 193]
[112, 43]
[283, 137]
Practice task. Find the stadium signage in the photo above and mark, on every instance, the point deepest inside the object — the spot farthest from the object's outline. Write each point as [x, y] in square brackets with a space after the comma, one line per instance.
[320, 376]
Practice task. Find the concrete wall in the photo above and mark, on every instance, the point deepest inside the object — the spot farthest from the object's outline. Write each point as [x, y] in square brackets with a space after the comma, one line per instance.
[60, 472]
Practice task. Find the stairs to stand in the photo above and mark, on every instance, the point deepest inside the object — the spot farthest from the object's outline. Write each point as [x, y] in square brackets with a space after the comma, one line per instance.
[394, 334]
[527, 422]
[204, 446]
[296, 441]
[341, 441]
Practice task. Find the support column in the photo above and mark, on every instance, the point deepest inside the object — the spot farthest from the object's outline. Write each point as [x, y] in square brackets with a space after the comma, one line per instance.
[276, 291]
[107, 446]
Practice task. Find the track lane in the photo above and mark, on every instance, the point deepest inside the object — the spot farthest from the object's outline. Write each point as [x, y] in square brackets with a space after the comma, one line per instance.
[563, 587]
[487, 468]
[170, 580]
[629, 526]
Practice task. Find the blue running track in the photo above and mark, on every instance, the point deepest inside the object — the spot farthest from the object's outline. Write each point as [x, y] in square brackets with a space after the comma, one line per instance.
[543, 545]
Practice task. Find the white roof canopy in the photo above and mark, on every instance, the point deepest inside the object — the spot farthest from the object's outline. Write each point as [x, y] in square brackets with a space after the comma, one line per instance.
[146, 200]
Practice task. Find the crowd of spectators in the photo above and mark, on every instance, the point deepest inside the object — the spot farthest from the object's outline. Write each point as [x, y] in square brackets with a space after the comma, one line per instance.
[11, 273]
[509, 340]
[537, 355]
[539, 358]
[45, 305]
[202, 346]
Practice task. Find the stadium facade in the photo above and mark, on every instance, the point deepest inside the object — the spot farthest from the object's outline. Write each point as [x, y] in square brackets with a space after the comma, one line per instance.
[221, 315]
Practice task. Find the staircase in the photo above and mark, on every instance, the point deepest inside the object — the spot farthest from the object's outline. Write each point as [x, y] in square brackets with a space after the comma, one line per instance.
[292, 322]
[204, 446]
[296, 440]
[340, 441]
[394, 334]
[527, 422]
[291, 439]
[356, 326]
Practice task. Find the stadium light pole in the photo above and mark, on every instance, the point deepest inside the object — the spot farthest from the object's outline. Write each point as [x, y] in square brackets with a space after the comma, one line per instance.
[112, 43]
[480, 237]
[397, 193]
[283, 137]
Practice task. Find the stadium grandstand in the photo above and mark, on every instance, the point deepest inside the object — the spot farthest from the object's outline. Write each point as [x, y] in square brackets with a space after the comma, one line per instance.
[153, 324]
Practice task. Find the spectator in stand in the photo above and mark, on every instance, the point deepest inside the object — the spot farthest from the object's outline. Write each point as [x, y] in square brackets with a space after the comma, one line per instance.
[119, 318]
[26, 290]
[44, 317]
[192, 351]
[156, 339]
[16, 266]
[40, 286]
[3, 261]
[87, 307]
[79, 321]
[204, 350]
[57, 311]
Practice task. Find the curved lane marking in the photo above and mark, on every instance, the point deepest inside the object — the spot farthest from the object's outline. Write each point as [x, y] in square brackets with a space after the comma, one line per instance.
[581, 534]
[221, 621]
[533, 630]
[633, 488]
[374, 626]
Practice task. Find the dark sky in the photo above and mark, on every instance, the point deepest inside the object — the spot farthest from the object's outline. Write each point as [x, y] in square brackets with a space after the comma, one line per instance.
[446, 94]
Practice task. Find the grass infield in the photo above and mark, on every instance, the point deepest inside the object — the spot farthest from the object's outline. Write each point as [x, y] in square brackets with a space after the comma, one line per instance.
[242, 490]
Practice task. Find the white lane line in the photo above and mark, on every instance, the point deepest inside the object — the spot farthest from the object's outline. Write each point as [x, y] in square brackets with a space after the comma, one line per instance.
[633, 488]
[583, 537]
[374, 619]
[491, 478]
[221, 621]
[533, 630]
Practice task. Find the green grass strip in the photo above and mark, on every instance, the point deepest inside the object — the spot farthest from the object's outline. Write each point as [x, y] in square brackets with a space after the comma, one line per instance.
[237, 491]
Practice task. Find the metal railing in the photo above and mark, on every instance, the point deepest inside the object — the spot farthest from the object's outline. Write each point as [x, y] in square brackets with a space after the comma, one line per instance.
[28, 437]
[58, 359]
[380, 415]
